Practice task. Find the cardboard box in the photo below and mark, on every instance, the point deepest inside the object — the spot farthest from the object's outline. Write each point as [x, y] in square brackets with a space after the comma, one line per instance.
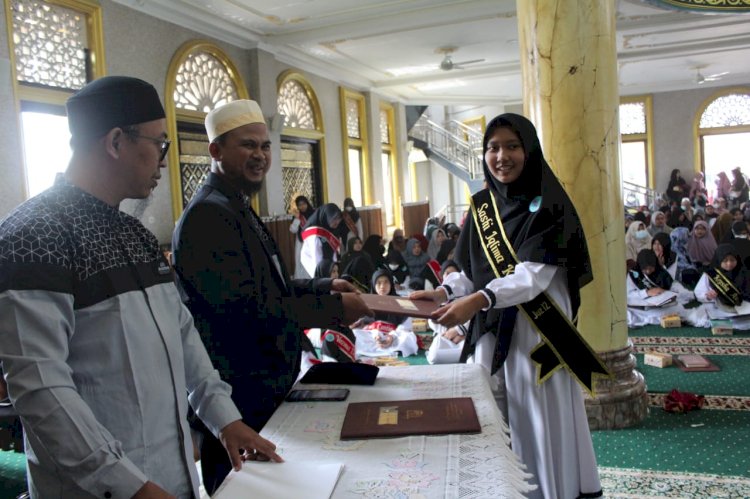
[657, 359]
[419, 325]
[671, 320]
[721, 328]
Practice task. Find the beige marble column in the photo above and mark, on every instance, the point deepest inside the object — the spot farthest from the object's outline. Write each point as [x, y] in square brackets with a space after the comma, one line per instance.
[569, 66]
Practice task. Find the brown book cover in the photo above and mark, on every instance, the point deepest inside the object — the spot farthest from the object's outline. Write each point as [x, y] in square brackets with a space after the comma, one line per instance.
[399, 305]
[399, 418]
[693, 364]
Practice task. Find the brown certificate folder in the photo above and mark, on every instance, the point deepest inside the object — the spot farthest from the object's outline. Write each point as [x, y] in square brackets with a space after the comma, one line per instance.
[399, 305]
[399, 418]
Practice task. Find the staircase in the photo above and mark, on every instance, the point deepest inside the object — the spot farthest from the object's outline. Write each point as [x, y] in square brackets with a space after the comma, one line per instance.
[457, 148]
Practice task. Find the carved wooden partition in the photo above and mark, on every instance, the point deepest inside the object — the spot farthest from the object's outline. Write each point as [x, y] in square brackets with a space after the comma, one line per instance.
[414, 216]
[279, 228]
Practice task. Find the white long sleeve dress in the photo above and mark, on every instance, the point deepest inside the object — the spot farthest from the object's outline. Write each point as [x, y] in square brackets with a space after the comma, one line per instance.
[548, 423]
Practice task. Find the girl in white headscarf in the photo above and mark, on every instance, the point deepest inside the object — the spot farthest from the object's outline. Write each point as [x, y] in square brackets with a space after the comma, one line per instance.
[636, 239]
[437, 238]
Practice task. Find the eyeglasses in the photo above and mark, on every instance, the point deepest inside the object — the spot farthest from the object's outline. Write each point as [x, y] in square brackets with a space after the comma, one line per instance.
[163, 143]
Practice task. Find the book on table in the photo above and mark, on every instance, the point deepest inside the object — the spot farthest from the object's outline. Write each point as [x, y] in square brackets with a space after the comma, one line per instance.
[399, 418]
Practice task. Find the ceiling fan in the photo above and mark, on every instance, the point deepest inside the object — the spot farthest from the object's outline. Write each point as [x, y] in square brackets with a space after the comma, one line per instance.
[700, 78]
[447, 63]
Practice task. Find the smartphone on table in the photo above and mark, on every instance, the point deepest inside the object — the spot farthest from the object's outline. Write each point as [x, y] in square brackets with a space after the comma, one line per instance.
[315, 395]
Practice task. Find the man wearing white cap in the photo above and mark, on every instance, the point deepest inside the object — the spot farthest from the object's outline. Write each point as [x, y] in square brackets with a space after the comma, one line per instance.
[249, 312]
[100, 355]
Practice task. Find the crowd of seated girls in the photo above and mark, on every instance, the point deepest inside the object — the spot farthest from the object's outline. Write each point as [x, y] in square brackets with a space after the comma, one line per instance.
[694, 256]
[414, 263]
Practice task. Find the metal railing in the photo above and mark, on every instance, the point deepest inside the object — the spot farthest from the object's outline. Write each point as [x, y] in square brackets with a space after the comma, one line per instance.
[634, 195]
[450, 145]
[453, 213]
[462, 145]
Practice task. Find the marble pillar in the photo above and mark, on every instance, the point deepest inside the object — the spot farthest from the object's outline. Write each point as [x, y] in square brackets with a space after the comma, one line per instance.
[569, 68]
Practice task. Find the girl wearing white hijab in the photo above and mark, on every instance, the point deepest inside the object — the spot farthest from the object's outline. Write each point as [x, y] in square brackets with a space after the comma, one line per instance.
[636, 239]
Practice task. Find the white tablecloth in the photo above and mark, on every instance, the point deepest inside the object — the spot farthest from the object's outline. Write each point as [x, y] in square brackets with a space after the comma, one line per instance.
[450, 466]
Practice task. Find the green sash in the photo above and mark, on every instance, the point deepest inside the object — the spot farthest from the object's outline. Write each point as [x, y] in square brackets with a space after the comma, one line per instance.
[562, 344]
[725, 287]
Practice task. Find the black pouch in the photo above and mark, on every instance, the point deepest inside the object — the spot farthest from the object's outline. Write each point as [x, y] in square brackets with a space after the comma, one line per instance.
[338, 373]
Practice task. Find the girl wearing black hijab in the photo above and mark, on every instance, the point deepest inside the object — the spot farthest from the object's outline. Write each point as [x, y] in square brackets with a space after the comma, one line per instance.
[648, 277]
[352, 222]
[303, 210]
[677, 188]
[726, 281]
[319, 239]
[547, 418]
[374, 247]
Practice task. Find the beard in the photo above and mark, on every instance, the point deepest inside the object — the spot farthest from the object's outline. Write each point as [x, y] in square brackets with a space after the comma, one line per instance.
[251, 188]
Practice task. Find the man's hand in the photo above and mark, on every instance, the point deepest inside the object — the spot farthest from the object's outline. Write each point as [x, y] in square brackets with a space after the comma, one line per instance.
[152, 491]
[354, 308]
[237, 437]
[439, 295]
[343, 286]
[460, 311]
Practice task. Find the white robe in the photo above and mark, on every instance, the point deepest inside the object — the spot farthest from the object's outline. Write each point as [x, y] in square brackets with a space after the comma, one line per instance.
[548, 423]
[299, 269]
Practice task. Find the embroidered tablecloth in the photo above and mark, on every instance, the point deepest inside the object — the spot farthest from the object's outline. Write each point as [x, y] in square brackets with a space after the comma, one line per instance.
[447, 466]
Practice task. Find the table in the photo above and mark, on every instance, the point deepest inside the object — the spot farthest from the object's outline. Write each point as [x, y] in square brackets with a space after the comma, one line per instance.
[446, 466]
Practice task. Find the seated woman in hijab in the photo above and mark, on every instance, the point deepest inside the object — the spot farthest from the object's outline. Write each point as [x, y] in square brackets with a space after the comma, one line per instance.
[436, 240]
[452, 231]
[356, 265]
[662, 246]
[302, 210]
[398, 268]
[636, 239]
[376, 250]
[319, 239]
[726, 282]
[686, 271]
[701, 245]
[384, 334]
[420, 264]
[447, 249]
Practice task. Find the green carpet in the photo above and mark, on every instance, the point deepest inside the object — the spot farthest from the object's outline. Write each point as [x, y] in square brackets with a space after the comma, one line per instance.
[733, 379]
[12, 474]
[704, 441]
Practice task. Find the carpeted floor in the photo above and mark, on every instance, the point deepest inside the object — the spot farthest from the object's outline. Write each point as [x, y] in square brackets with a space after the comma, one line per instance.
[12, 474]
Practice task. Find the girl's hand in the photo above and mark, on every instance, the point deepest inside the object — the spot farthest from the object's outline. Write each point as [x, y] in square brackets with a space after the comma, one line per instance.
[654, 291]
[460, 311]
[711, 294]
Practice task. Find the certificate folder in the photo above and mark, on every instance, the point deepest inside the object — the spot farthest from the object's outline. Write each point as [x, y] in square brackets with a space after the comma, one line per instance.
[398, 305]
[400, 418]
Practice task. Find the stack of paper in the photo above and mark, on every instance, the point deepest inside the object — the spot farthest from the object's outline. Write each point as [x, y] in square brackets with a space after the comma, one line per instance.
[267, 480]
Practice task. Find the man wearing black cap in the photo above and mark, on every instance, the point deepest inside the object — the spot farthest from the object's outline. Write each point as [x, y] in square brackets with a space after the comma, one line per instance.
[97, 348]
